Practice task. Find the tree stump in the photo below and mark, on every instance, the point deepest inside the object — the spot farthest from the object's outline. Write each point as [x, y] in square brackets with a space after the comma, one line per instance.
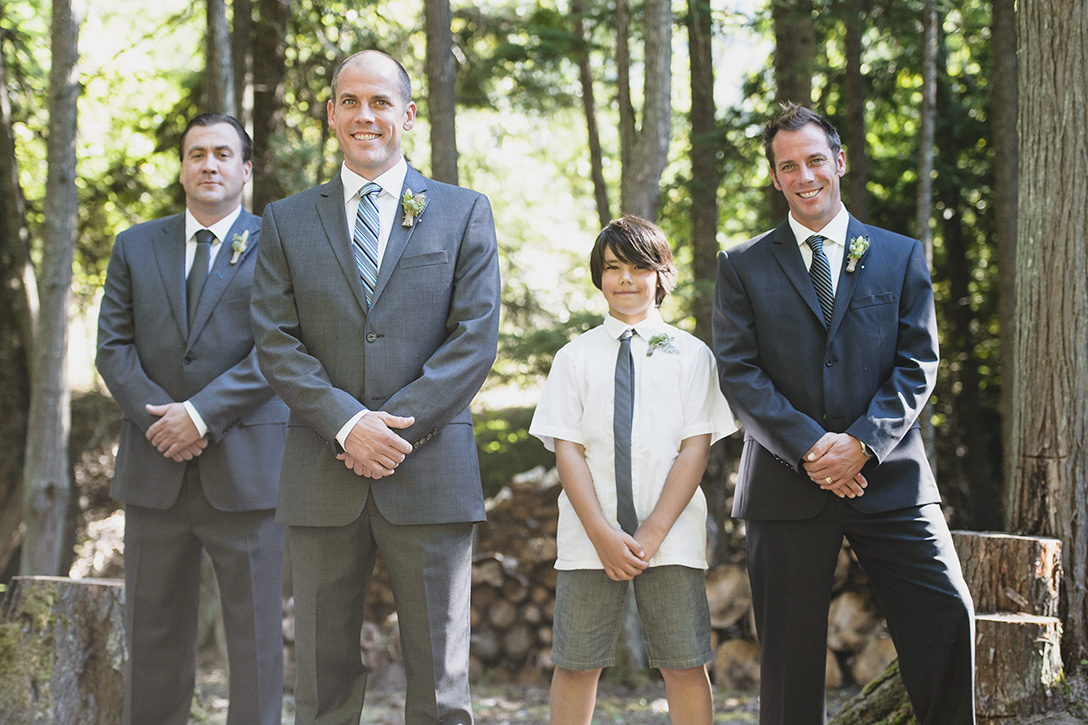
[1018, 663]
[62, 651]
[1008, 573]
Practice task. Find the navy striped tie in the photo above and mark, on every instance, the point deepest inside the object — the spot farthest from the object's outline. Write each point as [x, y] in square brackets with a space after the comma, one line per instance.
[820, 271]
[365, 238]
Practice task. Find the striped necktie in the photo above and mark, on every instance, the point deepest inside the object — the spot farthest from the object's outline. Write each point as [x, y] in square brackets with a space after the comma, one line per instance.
[364, 241]
[820, 271]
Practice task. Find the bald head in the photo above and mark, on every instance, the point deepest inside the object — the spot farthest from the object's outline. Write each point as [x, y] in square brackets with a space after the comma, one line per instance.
[368, 58]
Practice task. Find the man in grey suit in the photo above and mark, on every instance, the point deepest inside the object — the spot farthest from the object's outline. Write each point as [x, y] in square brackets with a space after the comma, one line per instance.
[826, 341]
[201, 438]
[376, 306]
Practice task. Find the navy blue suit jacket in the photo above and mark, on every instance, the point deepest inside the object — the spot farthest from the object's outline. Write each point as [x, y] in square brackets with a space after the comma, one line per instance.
[789, 377]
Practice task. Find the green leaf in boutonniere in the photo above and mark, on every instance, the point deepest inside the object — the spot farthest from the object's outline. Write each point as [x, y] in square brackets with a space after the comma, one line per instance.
[857, 249]
[238, 246]
[413, 205]
[662, 342]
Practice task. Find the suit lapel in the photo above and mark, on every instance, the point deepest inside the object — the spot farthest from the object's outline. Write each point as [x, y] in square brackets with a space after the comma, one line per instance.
[399, 235]
[844, 290]
[169, 250]
[784, 248]
[222, 272]
[330, 210]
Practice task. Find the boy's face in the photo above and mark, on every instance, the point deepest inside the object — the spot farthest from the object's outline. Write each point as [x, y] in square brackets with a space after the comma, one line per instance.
[631, 290]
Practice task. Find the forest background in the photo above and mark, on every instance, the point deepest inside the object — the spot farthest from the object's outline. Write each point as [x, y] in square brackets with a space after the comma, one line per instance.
[567, 113]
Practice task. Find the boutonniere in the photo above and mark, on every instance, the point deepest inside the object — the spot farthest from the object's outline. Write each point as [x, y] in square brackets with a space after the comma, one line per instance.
[662, 342]
[238, 245]
[413, 205]
[858, 247]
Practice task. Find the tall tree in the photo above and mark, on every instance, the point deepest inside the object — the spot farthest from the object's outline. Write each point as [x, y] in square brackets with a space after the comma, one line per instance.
[441, 91]
[219, 68]
[704, 165]
[1004, 102]
[19, 294]
[645, 151]
[857, 181]
[589, 106]
[269, 71]
[47, 479]
[794, 62]
[1047, 491]
[923, 200]
[241, 53]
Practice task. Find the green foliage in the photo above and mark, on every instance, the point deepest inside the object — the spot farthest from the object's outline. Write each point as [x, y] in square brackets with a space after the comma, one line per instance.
[505, 446]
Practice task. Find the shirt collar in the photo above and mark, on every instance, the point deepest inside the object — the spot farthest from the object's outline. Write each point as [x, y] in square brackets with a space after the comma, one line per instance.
[834, 231]
[391, 181]
[219, 229]
[645, 329]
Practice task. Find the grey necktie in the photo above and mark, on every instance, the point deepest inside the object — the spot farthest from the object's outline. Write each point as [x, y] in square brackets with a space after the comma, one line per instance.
[365, 238]
[194, 283]
[820, 271]
[622, 416]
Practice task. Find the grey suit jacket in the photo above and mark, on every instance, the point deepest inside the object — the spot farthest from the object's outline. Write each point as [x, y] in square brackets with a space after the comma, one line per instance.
[789, 377]
[148, 354]
[422, 350]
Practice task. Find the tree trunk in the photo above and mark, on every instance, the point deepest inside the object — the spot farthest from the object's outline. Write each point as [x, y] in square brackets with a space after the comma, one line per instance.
[441, 91]
[1047, 492]
[857, 159]
[589, 105]
[269, 71]
[794, 59]
[47, 478]
[1003, 108]
[19, 294]
[626, 109]
[218, 68]
[644, 163]
[923, 200]
[242, 59]
[704, 166]
[63, 657]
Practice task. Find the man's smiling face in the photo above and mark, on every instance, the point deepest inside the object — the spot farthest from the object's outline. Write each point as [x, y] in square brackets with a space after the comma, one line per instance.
[369, 115]
[807, 172]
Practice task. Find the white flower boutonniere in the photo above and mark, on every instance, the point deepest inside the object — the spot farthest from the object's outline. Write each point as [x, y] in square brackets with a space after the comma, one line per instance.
[858, 247]
[662, 342]
[413, 205]
[238, 245]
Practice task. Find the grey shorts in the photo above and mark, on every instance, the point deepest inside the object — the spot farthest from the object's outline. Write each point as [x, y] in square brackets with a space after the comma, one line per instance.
[589, 610]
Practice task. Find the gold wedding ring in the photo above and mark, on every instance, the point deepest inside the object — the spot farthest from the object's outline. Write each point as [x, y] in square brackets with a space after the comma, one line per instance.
[829, 481]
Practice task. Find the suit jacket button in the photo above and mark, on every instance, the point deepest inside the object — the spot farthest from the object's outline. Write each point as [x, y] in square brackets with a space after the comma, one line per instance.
[371, 337]
[188, 359]
[829, 361]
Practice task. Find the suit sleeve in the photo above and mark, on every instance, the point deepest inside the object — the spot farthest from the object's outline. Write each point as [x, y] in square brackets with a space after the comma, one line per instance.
[118, 361]
[765, 413]
[232, 395]
[455, 371]
[896, 406]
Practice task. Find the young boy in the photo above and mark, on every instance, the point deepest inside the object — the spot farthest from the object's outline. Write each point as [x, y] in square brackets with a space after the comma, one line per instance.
[648, 523]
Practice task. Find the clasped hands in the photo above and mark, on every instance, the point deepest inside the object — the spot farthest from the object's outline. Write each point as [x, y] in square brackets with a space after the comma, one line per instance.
[625, 556]
[174, 434]
[834, 464]
[372, 449]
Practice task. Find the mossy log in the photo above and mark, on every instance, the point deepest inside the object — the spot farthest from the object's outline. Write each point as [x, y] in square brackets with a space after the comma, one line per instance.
[883, 701]
[62, 651]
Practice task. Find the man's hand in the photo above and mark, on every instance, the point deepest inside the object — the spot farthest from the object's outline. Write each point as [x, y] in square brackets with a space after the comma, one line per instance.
[372, 449]
[834, 463]
[174, 435]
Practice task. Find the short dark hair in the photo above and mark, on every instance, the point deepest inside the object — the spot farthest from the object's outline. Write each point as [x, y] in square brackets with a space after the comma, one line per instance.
[635, 241]
[211, 119]
[794, 117]
[405, 81]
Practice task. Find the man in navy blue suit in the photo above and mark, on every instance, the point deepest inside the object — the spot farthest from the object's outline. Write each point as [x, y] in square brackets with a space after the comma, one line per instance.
[826, 342]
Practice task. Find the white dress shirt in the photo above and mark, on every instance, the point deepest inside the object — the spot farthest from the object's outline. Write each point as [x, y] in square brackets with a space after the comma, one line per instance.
[834, 235]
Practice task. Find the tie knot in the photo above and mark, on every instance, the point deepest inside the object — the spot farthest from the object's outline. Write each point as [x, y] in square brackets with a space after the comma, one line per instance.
[627, 335]
[204, 236]
[816, 242]
[370, 189]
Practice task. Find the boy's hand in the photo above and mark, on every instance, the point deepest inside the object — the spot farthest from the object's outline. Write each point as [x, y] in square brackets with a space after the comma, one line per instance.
[621, 555]
[650, 538]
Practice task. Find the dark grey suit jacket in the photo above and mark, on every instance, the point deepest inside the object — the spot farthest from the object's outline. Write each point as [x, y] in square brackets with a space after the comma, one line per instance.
[789, 378]
[423, 350]
[148, 354]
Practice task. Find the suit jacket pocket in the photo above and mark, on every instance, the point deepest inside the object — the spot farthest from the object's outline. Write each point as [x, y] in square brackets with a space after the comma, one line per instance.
[872, 300]
[423, 260]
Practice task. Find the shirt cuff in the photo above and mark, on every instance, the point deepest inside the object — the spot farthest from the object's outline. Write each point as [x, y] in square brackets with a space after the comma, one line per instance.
[342, 436]
[201, 426]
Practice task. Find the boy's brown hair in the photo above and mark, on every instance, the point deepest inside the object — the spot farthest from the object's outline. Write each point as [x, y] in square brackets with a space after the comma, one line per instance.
[635, 241]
